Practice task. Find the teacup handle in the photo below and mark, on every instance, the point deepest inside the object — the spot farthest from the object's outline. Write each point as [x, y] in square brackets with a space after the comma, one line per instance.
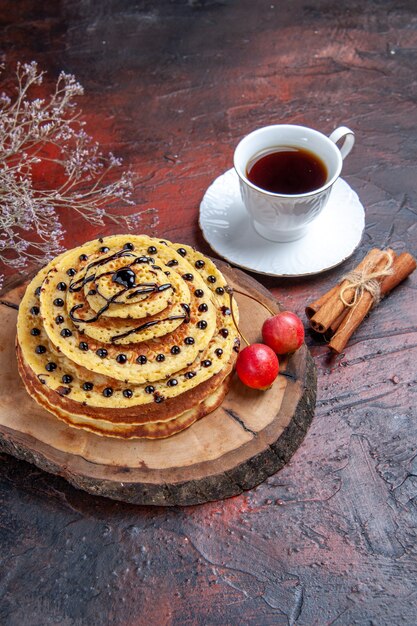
[349, 139]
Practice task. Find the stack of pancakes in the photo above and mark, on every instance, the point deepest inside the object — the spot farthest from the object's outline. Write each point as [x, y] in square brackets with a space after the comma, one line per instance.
[128, 336]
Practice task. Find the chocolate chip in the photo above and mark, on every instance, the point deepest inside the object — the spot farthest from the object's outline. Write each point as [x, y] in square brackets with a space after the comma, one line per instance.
[226, 310]
[58, 302]
[61, 286]
[40, 349]
[202, 324]
[83, 346]
[224, 332]
[149, 389]
[107, 392]
[88, 386]
[67, 379]
[172, 383]
[220, 291]
[128, 393]
[34, 310]
[102, 353]
[199, 293]
[63, 391]
[211, 279]
[128, 246]
[160, 358]
[219, 352]
[158, 398]
[188, 277]
[92, 292]
[141, 359]
[50, 367]
[206, 363]
[35, 332]
[71, 272]
[175, 350]
[172, 263]
[105, 249]
[189, 341]
[65, 332]
[152, 250]
[182, 251]
[203, 308]
[199, 264]
[59, 319]
[121, 358]
[37, 291]
[189, 375]
[143, 259]
[83, 257]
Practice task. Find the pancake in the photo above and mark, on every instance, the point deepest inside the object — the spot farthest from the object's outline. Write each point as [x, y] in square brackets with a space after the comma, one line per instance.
[130, 415]
[125, 332]
[157, 429]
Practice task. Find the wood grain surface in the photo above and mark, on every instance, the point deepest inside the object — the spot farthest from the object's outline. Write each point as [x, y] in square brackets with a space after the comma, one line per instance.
[330, 539]
[249, 437]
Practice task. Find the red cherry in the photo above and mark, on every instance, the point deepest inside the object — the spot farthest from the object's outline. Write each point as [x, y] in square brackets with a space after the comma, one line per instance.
[257, 366]
[283, 332]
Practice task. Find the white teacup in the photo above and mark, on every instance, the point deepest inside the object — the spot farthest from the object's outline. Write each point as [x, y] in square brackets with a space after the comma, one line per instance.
[284, 217]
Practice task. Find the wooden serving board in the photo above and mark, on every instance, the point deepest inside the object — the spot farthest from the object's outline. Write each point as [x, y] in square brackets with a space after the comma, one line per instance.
[248, 438]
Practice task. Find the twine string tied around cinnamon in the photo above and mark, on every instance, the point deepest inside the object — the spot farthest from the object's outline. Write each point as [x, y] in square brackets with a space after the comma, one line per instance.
[366, 280]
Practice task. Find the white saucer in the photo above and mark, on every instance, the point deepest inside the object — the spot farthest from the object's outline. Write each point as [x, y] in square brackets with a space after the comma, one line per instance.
[330, 240]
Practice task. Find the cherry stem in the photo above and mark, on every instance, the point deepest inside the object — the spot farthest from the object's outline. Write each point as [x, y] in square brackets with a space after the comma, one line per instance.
[243, 293]
[230, 292]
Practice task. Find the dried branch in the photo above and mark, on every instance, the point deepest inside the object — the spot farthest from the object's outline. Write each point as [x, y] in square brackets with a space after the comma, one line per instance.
[37, 134]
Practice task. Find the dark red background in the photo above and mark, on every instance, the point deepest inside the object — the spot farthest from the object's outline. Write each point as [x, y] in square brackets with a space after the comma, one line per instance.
[172, 86]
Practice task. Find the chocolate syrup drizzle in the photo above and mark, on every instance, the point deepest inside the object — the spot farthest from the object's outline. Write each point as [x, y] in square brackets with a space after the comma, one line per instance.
[123, 277]
[98, 314]
[77, 285]
[186, 317]
[149, 288]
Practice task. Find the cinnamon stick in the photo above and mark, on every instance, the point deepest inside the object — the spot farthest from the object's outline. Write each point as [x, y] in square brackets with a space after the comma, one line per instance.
[402, 267]
[333, 307]
[335, 324]
[312, 308]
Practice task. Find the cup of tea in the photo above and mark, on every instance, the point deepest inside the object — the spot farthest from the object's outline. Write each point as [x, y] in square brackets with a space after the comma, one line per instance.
[286, 173]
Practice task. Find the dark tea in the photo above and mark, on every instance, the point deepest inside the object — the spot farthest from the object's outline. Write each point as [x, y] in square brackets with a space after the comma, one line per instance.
[288, 170]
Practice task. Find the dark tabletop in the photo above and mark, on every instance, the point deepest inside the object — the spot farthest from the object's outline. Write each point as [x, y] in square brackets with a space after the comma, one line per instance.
[171, 86]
